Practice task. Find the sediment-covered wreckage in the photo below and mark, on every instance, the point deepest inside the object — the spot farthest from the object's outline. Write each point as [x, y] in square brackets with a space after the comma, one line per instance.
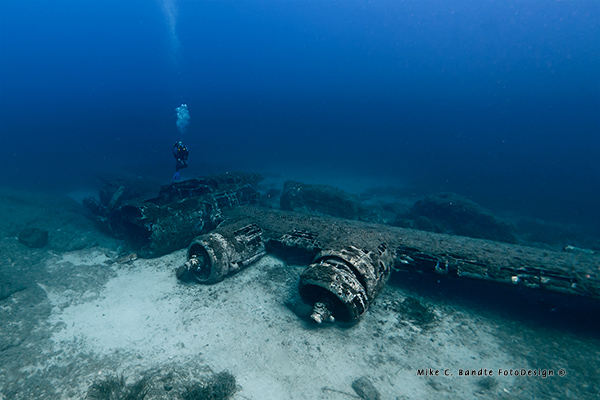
[349, 261]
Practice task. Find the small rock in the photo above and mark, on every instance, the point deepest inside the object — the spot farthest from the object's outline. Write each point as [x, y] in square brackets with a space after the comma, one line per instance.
[33, 237]
[365, 389]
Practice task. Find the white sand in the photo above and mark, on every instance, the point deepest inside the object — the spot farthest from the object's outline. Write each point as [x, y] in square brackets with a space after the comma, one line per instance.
[147, 318]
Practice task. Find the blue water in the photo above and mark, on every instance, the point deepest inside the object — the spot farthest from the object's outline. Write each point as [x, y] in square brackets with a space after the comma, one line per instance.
[497, 100]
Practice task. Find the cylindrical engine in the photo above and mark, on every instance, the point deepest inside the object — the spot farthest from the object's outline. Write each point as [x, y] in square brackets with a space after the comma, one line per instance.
[213, 256]
[341, 284]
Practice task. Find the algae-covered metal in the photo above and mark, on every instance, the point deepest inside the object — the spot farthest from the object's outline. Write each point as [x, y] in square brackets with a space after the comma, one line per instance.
[575, 273]
[213, 256]
[181, 212]
[342, 283]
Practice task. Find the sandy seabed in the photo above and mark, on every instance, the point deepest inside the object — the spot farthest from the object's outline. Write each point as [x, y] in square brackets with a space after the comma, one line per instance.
[80, 316]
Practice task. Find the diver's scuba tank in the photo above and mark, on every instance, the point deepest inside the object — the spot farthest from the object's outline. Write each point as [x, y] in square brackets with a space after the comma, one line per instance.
[213, 256]
[341, 284]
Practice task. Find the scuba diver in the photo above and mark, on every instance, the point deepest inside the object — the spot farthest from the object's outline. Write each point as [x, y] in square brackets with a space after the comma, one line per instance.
[181, 152]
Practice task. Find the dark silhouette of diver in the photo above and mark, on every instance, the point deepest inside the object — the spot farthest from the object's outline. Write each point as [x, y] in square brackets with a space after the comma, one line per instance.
[181, 152]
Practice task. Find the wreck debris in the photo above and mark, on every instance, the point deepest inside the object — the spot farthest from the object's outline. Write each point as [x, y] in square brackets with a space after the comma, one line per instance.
[181, 212]
[341, 284]
[154, 230]
[575, 273]
[128, 258]
[354, 259]
[213, 256]
[116, 197]
[297, 246]
[239, 182]
[349, 260]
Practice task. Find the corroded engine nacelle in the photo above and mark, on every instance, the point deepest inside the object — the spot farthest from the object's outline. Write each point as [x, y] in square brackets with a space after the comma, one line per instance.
[341, 284]
[213, 256]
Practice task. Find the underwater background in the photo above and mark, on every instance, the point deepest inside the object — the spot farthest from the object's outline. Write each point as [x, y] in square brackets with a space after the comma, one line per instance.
[495, 100]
